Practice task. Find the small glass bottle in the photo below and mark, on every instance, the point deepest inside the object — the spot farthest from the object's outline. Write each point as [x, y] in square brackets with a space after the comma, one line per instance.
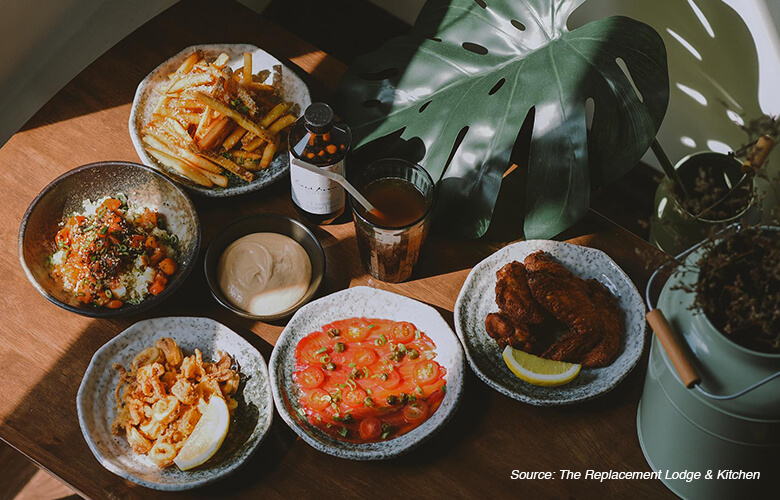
[315, 139]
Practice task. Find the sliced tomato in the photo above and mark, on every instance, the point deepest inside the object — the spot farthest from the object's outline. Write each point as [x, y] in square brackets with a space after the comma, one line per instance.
[310, 378]
[393, 380]
[310, 348]
[416, 411]
[426, 372]
[402, 332]
[362, 356]
[357, 330]
[370, 428]
[355, 397]
[317, 399]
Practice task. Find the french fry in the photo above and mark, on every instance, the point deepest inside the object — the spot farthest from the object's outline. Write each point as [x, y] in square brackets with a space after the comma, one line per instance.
[180, 167]
[176, 128]
[281, 124]
[182, 154]
[246, 155]
[229, 165]
[204, 122]
[238, 117]
[268, 152]
[189, 81]
[234, 137]
[163, 135]
[213, 134]
[184, 103]
[155, 143]
[253, 144]
[160, 104]
[221, 61]
[247, 73]
[219, 180]
[177, 114]
[275, 113]
[258, 87]
[189, 62]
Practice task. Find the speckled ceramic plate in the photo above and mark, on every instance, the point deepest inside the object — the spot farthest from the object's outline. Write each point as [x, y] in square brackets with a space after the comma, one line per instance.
[146, 97]
[370, 303]
[477, 299]
[248, 427]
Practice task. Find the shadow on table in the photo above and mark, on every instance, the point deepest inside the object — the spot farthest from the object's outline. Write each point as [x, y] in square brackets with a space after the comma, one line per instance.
[111, 80]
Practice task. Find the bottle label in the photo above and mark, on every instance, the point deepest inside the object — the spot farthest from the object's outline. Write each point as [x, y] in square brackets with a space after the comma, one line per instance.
[315, 193]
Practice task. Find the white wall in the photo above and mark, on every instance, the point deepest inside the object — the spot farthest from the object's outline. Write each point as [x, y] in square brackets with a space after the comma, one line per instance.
[48, 42]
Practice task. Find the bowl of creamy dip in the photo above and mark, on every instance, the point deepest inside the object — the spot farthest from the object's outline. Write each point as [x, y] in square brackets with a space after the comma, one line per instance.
[264, 266]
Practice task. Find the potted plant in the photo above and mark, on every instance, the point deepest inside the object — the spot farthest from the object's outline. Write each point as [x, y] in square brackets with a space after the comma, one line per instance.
[461, 86]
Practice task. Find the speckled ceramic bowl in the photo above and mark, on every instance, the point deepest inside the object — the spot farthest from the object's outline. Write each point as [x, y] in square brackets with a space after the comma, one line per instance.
[265, 223]
[146, 97]
[477, 299]
[248, 427]
[370, 303]
[67, 193]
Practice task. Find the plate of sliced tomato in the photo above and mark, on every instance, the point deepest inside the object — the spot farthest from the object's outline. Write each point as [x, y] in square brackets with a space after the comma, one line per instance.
[367, 374]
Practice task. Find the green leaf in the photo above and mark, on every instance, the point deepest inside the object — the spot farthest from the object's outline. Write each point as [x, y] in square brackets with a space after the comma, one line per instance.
[478, 71]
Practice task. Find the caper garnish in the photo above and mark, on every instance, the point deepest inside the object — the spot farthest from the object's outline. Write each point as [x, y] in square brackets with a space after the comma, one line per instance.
[329, 366]
[339, 347]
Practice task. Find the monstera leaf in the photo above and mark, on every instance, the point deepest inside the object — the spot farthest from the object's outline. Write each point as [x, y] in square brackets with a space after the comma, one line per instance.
[471, 71]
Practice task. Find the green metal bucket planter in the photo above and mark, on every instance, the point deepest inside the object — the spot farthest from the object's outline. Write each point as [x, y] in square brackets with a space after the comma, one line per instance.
[709, 405]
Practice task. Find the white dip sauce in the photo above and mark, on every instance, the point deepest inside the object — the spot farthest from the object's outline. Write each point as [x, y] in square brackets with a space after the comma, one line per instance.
[264, 273]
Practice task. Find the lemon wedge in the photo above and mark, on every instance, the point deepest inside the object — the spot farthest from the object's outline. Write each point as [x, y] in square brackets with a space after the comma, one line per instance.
[207, 436]
[539, 371]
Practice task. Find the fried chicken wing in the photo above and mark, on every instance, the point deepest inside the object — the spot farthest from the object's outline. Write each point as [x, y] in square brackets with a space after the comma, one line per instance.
[585, 307]
[607, 349]
[505, 331]
[564, 295]
[514, 298]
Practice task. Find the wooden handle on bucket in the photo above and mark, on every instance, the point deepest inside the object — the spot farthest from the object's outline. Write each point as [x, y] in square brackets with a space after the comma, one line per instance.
[757, 157]
[674, 349]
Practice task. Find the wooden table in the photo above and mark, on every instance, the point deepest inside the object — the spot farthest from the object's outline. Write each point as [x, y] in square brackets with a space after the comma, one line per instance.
[45, 350]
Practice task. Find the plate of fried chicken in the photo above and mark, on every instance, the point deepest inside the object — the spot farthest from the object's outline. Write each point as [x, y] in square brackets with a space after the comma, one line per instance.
[558, 301]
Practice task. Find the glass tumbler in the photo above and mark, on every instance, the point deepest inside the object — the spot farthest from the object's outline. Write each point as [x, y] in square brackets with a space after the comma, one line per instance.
[389, 251]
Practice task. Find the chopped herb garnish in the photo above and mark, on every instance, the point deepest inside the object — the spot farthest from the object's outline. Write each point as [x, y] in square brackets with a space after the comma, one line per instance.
[344, 431]
[417, 334]
[351, 365]
[381, 340]
[371, 326]
[320, 351]
[385, 434]
[419, 390]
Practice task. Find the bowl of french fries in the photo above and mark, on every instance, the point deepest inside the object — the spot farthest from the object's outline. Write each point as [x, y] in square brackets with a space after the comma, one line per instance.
[214, 118]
